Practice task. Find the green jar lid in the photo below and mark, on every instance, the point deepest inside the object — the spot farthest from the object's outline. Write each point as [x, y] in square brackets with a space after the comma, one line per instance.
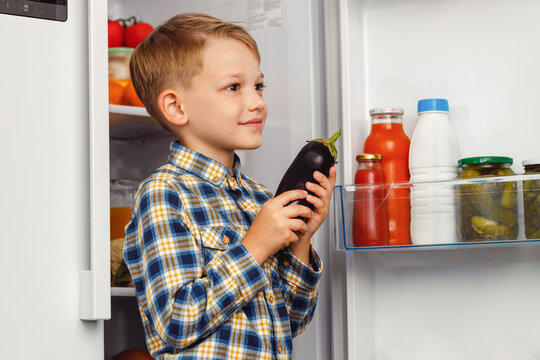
[120, 50]
[485, 160]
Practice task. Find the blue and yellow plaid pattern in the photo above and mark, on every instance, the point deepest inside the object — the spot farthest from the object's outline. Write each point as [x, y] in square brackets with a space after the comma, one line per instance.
[201, 295]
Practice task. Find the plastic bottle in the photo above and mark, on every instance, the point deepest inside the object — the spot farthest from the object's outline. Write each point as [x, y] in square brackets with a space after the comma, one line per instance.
[433, 157]
[388, 139]
[370, 220]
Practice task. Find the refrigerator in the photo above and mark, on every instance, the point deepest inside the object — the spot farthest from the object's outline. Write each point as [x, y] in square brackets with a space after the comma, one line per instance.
[326, 63]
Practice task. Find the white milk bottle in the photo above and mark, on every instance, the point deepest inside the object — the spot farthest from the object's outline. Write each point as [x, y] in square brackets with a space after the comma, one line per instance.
[432, 159]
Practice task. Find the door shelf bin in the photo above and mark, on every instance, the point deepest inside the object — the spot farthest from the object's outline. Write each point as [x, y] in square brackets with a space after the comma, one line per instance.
[482, 212]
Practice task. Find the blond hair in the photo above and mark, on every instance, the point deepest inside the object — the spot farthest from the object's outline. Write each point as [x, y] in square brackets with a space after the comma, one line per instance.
[172, 55]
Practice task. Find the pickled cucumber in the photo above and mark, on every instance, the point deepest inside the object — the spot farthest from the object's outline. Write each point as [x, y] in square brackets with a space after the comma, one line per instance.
[489, 229]
[531, 203]
[487, 210]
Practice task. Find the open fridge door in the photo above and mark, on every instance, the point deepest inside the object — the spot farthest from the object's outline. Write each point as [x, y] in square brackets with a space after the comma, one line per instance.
[46, 179]
[445, 303]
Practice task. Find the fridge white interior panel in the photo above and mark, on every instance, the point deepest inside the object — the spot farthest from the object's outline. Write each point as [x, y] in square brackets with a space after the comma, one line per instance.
[45, 187]
[482, 56]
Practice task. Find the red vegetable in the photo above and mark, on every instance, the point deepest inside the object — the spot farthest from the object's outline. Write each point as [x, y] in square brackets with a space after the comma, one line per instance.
[116, 33]
[136, 33]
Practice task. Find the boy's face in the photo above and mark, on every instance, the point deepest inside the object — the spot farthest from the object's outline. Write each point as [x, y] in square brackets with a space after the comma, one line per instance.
[224, 103]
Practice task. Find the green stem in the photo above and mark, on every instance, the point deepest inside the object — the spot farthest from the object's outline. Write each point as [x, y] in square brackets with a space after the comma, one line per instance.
[331, 144]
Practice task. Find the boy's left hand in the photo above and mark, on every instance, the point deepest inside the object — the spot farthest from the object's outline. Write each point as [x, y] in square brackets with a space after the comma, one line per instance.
[321, 201]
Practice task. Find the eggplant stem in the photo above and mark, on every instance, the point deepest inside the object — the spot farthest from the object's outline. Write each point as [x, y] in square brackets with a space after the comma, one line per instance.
[331, 144]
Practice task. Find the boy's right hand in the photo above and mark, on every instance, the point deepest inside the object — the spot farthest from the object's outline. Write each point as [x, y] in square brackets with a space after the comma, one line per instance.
[276, 225]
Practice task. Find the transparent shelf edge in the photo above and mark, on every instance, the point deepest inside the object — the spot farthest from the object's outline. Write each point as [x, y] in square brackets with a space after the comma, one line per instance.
[123, 291]
[128, 110]
[342, 215]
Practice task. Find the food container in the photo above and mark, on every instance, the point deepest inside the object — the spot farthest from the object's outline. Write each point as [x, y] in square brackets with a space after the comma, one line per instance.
[486, 209]
[370, 218]
[531, 199]
[122, 194]
[119, 64]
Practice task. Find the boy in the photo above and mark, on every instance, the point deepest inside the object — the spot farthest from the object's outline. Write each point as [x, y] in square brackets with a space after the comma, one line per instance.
[221, 269]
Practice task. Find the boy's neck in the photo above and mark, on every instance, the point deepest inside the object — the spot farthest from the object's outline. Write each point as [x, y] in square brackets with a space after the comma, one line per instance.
[223, 157]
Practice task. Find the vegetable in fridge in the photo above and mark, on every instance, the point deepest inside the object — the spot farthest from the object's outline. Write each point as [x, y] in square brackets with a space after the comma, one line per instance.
[531, 199]
[487, 209]
[318, 155]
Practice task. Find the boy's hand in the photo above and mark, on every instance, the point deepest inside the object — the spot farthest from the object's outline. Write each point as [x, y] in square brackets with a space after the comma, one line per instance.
[321, 201]
[276, 225]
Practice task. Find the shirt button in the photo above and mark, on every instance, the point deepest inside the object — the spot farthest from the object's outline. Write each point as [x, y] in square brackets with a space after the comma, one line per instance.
[226, 240]
[216, 179]
[286, 263]
[271, 299]
[279, 349]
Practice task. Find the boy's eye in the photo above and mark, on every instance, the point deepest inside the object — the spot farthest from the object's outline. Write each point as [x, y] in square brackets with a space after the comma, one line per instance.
[260, 87]
[233, 87]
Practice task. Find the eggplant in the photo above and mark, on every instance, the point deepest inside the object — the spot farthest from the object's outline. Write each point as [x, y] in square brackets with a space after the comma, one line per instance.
[318, 155]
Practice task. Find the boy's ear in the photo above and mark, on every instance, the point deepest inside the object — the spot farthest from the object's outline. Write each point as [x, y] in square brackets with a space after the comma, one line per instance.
[170, 104]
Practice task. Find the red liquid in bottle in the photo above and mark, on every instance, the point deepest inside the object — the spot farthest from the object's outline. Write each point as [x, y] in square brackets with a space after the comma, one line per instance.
[370, 220]
[388, 139]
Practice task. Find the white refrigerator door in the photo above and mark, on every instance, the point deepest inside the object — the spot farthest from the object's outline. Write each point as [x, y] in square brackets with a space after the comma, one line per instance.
[45, 193]
[483, 57]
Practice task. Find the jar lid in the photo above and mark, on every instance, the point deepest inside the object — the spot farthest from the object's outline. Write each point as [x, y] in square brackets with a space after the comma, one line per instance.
[485, 160]
[120, 50]
[368, 157]
[432, 105]
[386, 111]
[531, 161]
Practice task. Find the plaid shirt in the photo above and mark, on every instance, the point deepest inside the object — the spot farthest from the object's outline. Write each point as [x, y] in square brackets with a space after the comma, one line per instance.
[200, 293]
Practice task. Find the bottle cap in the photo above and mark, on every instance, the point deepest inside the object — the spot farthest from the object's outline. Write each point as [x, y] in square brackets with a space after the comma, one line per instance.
[432, 105]
[386, 111]
[485, 160]
[368, 157]
[531, 161]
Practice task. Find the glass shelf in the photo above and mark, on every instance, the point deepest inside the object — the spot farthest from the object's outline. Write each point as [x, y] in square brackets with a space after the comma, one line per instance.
[123, 291]
[501, 211]
[130, 122]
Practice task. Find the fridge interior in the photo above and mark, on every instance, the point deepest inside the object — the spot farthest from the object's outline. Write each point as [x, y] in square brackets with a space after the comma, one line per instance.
[451, 302]
[292, 61]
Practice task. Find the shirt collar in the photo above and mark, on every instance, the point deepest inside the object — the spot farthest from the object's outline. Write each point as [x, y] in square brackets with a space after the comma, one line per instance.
[200, 165]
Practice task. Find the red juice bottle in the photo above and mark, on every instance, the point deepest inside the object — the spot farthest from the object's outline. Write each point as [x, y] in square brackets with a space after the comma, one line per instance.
[370, 220]
[388, 139]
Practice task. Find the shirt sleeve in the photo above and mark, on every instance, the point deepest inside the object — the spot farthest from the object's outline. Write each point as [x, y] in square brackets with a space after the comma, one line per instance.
[300, 284]
[184, 298]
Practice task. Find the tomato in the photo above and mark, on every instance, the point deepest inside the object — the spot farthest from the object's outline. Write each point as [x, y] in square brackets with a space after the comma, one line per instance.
[116, 33]
[136, 33]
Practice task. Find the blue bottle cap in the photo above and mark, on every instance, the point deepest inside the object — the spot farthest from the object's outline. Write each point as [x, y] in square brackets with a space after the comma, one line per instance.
[432, 105]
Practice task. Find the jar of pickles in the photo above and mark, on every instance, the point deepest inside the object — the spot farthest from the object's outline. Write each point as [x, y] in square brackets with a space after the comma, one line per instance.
[487, 209]
[531, 199]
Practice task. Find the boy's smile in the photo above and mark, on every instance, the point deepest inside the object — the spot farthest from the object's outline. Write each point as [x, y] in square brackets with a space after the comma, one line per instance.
[224, 103]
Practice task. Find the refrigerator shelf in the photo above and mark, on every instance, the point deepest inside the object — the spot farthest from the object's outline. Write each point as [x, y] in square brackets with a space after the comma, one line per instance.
[477, 198]
[123, 291]
[130, 122]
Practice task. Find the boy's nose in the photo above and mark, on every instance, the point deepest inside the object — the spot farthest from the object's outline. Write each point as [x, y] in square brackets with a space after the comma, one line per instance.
[256, 101]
